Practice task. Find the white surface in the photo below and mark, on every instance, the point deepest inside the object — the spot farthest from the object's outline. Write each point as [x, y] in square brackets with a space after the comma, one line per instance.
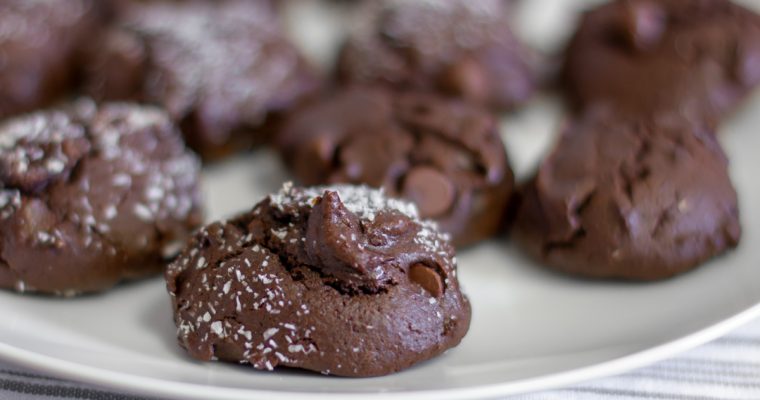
[531, 329]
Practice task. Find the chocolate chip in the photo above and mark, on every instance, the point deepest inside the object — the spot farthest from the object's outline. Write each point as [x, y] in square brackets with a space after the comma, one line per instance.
[432, 191]
[353, 158]
[36, 217]
[315, 156]
[428, 278]
[644, 23]
[321, 148]
[373, 158]
[746, 63]
[466, 79]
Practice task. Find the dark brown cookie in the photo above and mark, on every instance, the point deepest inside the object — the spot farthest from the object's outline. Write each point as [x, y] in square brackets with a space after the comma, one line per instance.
[222, 69]
[699, 58]
[38, 47]
[444, 155]
[92, 195]
[638, 199]
[340, 280]
[457, 47]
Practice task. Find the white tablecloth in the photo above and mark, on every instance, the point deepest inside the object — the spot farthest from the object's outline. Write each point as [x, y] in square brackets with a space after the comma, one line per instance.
[726, 368]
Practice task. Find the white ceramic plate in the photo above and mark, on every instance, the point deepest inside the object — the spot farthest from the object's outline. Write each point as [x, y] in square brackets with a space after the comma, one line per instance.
[530, 330]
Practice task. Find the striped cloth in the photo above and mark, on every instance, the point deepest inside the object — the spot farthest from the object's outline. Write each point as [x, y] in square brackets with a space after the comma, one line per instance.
[727, 368]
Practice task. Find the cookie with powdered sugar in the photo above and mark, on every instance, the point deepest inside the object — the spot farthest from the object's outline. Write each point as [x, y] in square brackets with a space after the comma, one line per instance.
[222, 69]
[339, 280]
[460, 48]
[91, 195]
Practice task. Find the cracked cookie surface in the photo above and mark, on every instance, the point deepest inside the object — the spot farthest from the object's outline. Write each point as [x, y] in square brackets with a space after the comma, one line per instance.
[91, 195]
[633, 199]
[444, 155]
[338, 280]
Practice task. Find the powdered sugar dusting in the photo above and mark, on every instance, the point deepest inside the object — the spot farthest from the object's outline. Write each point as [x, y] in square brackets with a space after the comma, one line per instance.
[132, 153]
[365, 202]
[361, 200]
[439, 30]
[432, 26]
[10, 201]
[35, 21]
[213, 52]
[35, 142]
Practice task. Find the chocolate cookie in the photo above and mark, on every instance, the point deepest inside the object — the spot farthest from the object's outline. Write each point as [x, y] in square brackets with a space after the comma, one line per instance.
[638, 199]
[444, 155]
[38, 50]
[92, 195]
[221, 68]
[339, 280]
[697, 57]
[457, 47]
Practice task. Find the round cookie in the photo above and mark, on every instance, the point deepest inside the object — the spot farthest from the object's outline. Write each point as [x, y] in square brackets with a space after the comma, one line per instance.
[699, 58]
[631, 199]
[339, 280]
[222, 69]
[38, 45]
[92, 195]
[444, 155]
[460, 48]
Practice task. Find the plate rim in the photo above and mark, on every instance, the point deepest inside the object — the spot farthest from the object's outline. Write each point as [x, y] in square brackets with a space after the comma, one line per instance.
[147, 386]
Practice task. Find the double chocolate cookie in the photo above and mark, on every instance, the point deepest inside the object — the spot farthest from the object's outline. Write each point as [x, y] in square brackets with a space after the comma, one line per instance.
[638, 199]
[339, 280]
[222, 69]
[460, 48]
[444, 155]
[92, 195]
[699, 58]
[38, 50]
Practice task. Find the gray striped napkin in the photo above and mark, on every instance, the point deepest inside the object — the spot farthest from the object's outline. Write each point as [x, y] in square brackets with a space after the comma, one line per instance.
[726, 368]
